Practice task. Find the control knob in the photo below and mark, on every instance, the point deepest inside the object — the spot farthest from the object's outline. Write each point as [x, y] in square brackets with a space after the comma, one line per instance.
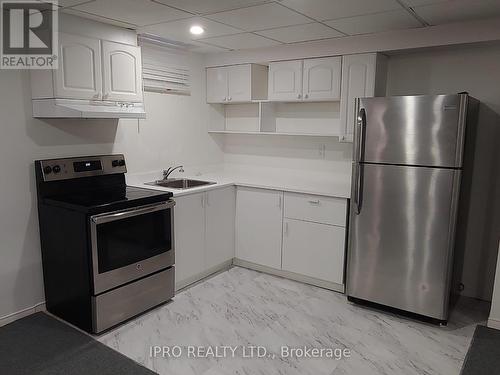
[56, 169]
[47, 169]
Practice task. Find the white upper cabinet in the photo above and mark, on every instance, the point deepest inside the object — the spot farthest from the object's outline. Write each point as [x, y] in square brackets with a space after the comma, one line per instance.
[363, 76]
[90, 69]
[321, 79]
[217, 85]
[79, 74]
[236, 83]
[259, 226]
[285, 80]
[239, 83]
[122, 70]
[305, 80]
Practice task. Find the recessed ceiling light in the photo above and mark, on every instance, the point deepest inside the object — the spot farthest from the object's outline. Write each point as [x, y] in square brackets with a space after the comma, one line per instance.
[196, 30]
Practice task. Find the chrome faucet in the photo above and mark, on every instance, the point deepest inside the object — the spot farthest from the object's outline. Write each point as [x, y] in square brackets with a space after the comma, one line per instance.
[168, 171]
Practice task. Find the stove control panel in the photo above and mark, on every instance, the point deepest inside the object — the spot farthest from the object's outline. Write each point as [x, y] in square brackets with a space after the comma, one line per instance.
[87, 166]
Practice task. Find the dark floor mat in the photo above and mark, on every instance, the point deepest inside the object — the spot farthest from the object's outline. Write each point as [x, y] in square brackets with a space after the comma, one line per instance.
[483, 356]
[42, 345]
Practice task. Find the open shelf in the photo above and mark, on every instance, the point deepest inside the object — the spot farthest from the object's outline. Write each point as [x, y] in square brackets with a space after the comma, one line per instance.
[316, 119]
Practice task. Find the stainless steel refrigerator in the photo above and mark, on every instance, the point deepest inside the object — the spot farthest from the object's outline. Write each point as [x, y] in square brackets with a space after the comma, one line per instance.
[409, 159]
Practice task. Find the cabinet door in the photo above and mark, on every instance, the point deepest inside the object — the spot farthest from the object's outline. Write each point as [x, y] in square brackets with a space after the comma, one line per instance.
[259, 226]
[321, 79]
[122, 72]
[285, 80]
[239, 83]
[217, 85]
[358, 81]
[189, 232]
[220, 217]
[79, 74]
[314, 250]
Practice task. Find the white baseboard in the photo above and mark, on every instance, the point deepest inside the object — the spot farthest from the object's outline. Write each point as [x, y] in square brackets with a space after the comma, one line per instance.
[290, 275]
[193, 280]
[493, 323]
[22, 313]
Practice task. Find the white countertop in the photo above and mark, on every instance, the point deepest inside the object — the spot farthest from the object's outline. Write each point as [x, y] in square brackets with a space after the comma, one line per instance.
[326, 183]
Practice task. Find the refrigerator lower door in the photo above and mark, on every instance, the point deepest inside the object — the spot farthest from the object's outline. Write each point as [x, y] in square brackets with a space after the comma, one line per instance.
[401, 241]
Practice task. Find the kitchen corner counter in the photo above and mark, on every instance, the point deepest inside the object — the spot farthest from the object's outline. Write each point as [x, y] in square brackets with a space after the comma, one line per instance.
[315, 183]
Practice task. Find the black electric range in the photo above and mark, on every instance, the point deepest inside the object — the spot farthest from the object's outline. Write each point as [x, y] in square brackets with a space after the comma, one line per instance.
[107, 248]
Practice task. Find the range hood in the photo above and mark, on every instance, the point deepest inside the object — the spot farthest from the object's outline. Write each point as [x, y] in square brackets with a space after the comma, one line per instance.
[69, 108]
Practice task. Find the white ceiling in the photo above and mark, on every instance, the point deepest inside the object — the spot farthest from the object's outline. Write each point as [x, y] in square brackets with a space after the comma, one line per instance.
[241, 24]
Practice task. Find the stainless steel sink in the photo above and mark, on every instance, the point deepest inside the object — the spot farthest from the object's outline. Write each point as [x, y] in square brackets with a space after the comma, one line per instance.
[180, 183]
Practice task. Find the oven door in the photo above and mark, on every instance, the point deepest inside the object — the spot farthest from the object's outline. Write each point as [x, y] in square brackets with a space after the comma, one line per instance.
[130, 244]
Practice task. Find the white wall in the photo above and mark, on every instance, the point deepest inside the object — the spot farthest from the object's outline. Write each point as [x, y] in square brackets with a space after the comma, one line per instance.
[174, 131]
[303, 154]
[494, 320]
[475, 69]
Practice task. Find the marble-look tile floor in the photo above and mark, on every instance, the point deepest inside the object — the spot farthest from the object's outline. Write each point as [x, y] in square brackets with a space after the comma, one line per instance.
[241, 307]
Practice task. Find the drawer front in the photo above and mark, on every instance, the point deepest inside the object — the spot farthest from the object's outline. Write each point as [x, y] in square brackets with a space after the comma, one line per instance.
[118, 305]
[316, 208]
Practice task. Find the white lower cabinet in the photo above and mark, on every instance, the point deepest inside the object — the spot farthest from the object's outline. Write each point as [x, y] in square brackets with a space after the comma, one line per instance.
[220, 219]
[204, 233]
[259, 217]
[292, 235]
[314, 250]
[189, 236]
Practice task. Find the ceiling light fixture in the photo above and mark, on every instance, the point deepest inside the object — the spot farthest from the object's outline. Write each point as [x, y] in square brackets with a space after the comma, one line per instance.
[196, 30]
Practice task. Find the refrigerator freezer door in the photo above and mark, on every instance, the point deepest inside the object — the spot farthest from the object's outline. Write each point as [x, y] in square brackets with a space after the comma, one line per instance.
[412, 130]
[400, 243]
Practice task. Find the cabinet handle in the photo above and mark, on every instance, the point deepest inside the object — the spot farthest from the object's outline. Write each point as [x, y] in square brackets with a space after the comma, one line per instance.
[229, 98]
[224, 99]
[280, 203]
[299, 96]
[207, 201]
[306, 96]
[286, 229]
[315, 202]
[203, 200]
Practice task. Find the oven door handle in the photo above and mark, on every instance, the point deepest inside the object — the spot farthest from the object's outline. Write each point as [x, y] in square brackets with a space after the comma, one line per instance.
[106, 218]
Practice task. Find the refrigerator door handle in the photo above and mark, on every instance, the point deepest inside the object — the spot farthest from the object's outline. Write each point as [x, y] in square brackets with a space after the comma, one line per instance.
[361, 134]
[358, 188]
[360, 144]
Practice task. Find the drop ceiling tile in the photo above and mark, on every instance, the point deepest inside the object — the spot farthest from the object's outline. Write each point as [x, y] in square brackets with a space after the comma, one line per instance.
[209, 6]
[68, 3]
[414, 3]
[136, 12]
[241, 41]
[458, 10]
[97, 18]
[260, 17]
[374, 23]
[72, 3]
[179, 30]
[200, 47]
[301, 33]
[333, 9]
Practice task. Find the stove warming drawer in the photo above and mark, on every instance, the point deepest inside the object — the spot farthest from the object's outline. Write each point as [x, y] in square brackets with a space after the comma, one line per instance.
[118, 305]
